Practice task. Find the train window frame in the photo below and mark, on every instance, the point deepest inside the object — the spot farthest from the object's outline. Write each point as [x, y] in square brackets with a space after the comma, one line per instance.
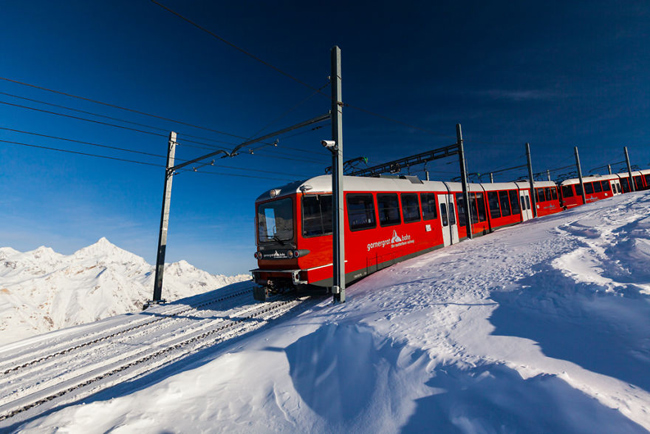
[554, 193]
[481, 208]
[598, 187]
[322, 220]
[540, 194]
[275, 203]
[405, 208]
[462, 210]
[495, 211]
[514, 194]
[567, 189]
[606, 186]
[589, 188]
[443, 215]
[392, 221]
[371, 222]
[430, 198]
[505, 204]
[578, 189]
[473, 213]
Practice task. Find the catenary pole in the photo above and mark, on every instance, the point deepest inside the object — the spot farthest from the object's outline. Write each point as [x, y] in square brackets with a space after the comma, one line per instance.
[582, 184]
[533, 196]
[463, 180]
[164, 220]
[609, 169]
[491, 178]
[338, 240]
[629, 169]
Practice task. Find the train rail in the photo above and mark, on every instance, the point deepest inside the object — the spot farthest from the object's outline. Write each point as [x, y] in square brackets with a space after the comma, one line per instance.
[28, 395]
[19, 361]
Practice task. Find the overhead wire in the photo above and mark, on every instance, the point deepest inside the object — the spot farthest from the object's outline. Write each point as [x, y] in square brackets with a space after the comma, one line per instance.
[121, 108]
[286, 74]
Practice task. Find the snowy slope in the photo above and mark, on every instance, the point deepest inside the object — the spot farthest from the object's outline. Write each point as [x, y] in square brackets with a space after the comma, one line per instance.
[42, 290]
[542, 327]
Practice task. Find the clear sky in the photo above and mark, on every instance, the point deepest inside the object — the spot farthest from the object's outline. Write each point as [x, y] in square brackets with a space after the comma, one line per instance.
[555, 74]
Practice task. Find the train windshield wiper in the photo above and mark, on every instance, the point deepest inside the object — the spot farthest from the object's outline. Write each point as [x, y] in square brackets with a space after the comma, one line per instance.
[276, 238]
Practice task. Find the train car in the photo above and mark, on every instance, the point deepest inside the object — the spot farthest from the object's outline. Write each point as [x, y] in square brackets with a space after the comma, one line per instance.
[641, 180]
[596, 188]
[547, 198]
[386, 220]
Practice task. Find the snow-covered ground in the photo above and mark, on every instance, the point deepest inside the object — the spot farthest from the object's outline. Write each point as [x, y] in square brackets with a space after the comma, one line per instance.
[42, 291]
[542, 327]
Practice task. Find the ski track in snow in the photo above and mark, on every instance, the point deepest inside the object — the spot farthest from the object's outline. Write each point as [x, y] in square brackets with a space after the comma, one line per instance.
[541, 327]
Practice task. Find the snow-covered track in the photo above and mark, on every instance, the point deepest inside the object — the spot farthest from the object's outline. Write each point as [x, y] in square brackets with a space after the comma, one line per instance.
[47, 352]
[32, 399]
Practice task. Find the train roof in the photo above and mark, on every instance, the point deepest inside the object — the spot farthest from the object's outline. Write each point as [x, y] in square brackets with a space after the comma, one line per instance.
[323, 184]
[605, 177]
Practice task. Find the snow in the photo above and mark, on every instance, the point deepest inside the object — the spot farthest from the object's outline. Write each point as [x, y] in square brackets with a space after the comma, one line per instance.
[42, 291]
[542, 327]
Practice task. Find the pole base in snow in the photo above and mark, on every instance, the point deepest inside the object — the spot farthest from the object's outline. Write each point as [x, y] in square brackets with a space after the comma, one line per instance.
[153, 303]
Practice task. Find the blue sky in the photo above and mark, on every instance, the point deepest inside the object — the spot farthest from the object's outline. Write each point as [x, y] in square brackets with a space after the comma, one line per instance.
[555, 74]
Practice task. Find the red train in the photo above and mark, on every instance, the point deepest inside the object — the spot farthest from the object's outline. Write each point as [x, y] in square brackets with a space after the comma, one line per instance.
[387, 220]
[601, 187]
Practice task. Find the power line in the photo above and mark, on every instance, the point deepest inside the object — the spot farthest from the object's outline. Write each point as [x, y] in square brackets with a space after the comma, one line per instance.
[86, 154]
[286, 74]
[120, 108]
[82, 119]
[81, 142]
[81, 153]
[225, 41]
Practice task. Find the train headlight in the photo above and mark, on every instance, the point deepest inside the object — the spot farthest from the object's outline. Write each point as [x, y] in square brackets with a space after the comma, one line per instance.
[257, 255]
[290, 253]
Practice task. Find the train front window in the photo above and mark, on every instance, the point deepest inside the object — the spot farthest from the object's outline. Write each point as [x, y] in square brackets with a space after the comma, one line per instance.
[275, 221]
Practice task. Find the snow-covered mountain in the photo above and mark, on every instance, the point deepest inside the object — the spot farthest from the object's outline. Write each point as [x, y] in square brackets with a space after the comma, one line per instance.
[43, 290]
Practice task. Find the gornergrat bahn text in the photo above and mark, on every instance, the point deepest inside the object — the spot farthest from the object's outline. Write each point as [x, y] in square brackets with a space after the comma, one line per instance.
[390, 219]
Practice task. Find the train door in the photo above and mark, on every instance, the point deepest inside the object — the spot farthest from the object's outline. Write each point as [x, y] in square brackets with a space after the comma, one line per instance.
[616, 186]
[524, 198]
[448, 219]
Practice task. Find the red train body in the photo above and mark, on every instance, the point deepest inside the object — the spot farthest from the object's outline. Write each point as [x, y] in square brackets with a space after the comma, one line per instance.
[387, 220]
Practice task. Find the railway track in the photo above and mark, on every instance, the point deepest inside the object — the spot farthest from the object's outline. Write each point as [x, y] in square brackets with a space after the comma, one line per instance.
[47, 352]
[30, 390]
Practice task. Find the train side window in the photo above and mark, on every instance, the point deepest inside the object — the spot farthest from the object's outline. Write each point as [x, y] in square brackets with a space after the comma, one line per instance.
[554, 193]
[589, 188]
[493, 201]
[647, 179]
[480, 201]
[472, 208]
[578, 190]
[462, 213]
[410, 207]
[388, 207]
[523, 203]
[638, 183]
[606, 186]
[567, 191]
[514, 203]
[540, 195]
[361, 211]
[598, 187]
[443, 214]
[316, 215]
[429, 211]
[505, 203]
[625, 183]
[452, 214]
[618, 187]
[549, 195]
